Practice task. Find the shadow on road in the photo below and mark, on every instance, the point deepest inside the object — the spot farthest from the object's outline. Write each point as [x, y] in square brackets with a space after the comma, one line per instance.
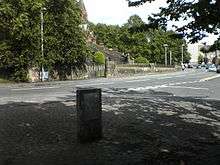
[156, 130]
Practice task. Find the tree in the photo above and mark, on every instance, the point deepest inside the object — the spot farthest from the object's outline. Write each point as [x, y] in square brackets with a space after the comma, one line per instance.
[106, 34]
[66, 47]
[140, 43]
[141, 60]
[200, 58]
[204, 16]
[99, 58]
[134, 21]
[20, 37]
[215, 46]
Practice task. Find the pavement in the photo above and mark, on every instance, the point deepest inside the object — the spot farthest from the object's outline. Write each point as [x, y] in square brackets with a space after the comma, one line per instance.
[161, 119]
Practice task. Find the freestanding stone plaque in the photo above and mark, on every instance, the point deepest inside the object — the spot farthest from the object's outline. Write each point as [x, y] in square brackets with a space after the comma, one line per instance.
[89, 114]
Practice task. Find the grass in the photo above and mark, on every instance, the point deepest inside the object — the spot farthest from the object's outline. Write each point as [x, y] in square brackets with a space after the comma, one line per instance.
[4, 81]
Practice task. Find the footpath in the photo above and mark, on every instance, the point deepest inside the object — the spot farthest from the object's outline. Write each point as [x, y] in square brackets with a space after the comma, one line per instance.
[139, 129]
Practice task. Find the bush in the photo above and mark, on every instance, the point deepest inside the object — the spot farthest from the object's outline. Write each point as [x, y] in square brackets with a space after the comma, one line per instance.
[141, 60]
[200, 58]
[99, 58]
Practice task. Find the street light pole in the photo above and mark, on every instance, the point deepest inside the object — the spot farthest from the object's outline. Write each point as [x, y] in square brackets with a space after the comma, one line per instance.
[165, 47]
[182, 52]
[170, 58]
[42, 42]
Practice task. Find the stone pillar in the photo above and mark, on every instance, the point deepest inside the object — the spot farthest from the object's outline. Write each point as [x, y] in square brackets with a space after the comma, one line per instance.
[89, 114]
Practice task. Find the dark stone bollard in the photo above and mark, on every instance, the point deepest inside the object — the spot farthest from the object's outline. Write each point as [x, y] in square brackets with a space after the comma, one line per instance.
[89, 115]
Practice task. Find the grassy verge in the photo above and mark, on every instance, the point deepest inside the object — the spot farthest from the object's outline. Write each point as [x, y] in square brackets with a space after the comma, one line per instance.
[4, 81]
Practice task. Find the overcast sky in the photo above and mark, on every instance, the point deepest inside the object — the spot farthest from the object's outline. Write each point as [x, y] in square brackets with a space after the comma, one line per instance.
[117, 12]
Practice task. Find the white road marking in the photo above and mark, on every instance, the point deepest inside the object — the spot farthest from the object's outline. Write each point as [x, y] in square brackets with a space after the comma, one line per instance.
[183, 87]
[147, 88]
[209, 78]
[150, 78]
[170, 85]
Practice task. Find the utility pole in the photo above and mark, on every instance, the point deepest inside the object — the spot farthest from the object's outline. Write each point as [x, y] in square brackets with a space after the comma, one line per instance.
[182, 52]
[42, 42]
[165, 47]
[170, 58]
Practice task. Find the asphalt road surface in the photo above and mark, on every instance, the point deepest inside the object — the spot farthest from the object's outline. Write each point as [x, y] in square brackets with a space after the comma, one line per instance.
[190, 83]
[162, 119]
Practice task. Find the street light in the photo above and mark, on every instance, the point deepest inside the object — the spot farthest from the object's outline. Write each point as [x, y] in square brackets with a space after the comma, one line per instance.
[42, 41]
[182, 52]
[165, 47]
[170, 58]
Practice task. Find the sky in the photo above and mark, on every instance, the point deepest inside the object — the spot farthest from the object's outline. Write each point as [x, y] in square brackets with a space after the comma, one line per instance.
[117, 12]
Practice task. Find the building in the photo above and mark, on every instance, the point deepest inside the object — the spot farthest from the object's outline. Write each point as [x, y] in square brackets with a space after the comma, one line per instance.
[195, 51]
[89, 34]
[84, 15]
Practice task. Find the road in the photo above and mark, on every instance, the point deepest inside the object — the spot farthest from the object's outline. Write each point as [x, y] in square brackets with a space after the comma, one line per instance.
[190, 83]
[162, 119]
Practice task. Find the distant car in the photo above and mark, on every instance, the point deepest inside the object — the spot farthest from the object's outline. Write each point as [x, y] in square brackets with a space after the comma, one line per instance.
[212, 68]
[208, 65]
[203, 65]
[198, 66]
[218, 69]
[190, 66]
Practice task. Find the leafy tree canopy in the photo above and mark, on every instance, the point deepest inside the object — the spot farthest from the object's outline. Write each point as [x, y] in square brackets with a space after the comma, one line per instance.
[99, 58]
[200, 58]
[204, 16]
[141, 60]
[20, 36]
[140, 43]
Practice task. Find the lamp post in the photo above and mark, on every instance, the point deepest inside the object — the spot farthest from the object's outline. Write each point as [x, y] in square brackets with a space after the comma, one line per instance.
[170, 58]
[165, 47]
[42, 41]
[182, 52]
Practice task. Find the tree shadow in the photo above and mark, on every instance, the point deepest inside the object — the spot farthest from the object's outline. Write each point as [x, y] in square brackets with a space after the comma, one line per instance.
[157, 130]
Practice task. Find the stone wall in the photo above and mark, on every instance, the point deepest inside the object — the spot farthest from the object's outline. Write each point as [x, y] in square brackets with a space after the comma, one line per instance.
[125, 70]
[34, 75]
[113, 70]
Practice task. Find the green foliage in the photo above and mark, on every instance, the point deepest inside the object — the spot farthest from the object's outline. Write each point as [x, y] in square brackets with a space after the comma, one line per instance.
[4, 81]
[200, 58]
[214, 47]
[99, 58]
[148, 44]
[141, 60]
[108, 35]
[134, 21]
[20, 36]
[204, 16]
